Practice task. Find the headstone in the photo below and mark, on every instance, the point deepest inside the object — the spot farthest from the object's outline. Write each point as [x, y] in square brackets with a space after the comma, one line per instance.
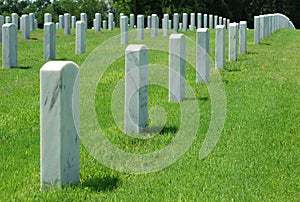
[175, 23]
[266, 26]
[15, 19]
[7, 19]
[261, 25]
[202, 55]
[148, 22]
[177, 67]
[59, 115]
[25, 27]
[170, 24]
[67, 25]
[215, 21]
[224, 22]
[35, 24]
[61, 21]
[49, 41]
[184, 22]
[110, 21]
[31, 21]
[205, 21]
[180, 26]
[124, 30]
[73, 22]
[233, 41]
[243, 36]
[220, 46]
[220, 20]
[165, 25]
[154, 26]
[104, 24]
[132, 20]
[47, 17]
[192, 21]
[9, 45]
[228, 22]
[57, 25]
[136, 89]
[140, 27]
[80, 37]
[211, 22]
[97, 25]
[83, 17]
[1, 23]
[199, 20]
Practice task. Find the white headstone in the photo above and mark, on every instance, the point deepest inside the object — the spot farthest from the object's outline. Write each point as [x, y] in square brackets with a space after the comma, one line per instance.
[175, 22]
[25, 27]
[15, 19]
[205, 21]
[110, 21]
[184, 22]
[132, 20]
[59, 122]
[220, 46]
[211, 21]
[165, 25]
[83, 17]
[154, 25]
[61, 21]
[215, 21]
[148, 22]
[104, 23]
[233, 41]
[140, 27]
[136, 89]
[1, 23]
[97, 25]
[7, 19]
[192, 21]
[177, 67]
[199, 20]
[47, 17]
[73, 18]
[202, 55]
[31, 21]
[67, 24]
[9, 45]
[124, 30]
[243, 36]
[49, 41]
[80, 37]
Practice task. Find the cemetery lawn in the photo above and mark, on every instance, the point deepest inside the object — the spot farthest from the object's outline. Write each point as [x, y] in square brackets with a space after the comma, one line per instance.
[257, 157]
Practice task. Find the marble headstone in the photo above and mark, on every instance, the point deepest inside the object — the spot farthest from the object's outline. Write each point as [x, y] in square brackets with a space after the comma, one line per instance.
[80, 37]
[25, 27]
[67, 24]
[199, 20]
[243, 36]
[140, 27]
[184, 22]
[220, 46]
[175, 23]
[202, 55]
[49, 41]
[9, 45]
[233, 41]
[15, 19]
[154, 25]
[124, 30]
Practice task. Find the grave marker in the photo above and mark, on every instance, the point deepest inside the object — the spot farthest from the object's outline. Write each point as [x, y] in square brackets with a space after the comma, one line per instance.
[124, 30]
[192, 21]
[49, 41]
[220, 46]
[202, 55]
[243, 36]
[9, 45]
[140, 27]
[205, 21]
[25, 27]
[175, 23]
[154, 25]
[97, 25]
[199, 20]
[233, 41]
[184, 22]
[80, 37]
[67, 26]
[15, 19]
[47, 17]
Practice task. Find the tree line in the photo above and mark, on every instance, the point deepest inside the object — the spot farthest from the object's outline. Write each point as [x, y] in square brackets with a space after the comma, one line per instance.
[235, 10]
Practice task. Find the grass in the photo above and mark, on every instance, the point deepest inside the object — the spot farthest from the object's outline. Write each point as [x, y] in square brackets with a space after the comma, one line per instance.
[256, 159]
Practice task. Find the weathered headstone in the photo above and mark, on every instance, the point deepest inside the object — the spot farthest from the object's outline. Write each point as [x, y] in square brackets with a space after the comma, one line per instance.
[73, 19]
[140, 27]
[220, 46]
[154, 25]
[80, 37]
[184, 22]
[175, 23]
[15, 19]
[97, 25]
[165, 25]
[61, 21]
[7, 19]
[67, 24]
[124, 30]
[261, 25]
[110, 21]
[177, 67]
[132, 20]
[211, 21]
[243, 36]
[49, 41]
[31, 21]
[202, 55]
[136, 89]
[205, 21]
[199, 20]
[192, 21]
[47, 17]
[9, 45]
[233, 41]
[59, 122]
[25, 27]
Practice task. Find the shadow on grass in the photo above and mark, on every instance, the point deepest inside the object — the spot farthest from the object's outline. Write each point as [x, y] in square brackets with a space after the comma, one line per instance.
[161, 130]
[60, 59]
[264, 43]
[34, 39]
[24, 67]
[232, 70]
[101, 184]
[204, 99]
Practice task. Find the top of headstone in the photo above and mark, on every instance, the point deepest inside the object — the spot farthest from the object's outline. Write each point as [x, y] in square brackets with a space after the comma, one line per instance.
[57, 65]
[202, 29]
[136, 47]
[220, 26]
[177, 36]
[9, 25]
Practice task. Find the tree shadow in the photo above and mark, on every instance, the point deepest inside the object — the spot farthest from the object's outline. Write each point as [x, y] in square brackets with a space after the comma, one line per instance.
[98, 184]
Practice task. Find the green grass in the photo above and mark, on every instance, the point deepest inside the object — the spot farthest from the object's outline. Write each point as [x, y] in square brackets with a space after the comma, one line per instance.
[256, 159]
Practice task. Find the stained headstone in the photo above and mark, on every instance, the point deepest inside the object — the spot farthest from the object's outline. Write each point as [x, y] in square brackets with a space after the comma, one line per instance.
[136, 89]
[177, 67]
[61, 21]
[192, 21]
[175, 23]
[31, 21]
[124, 30]
[202, 55]
[165, 25]
[25, 27]
[73, 19]
[67, 24]
[15, 19]
[132, 20]
[80, 37]
[49, 41]
[184, 22]
[47, 17]
[243, 36]
[97, 25]
[154, 25]
[59, 137]
[9, 45]
[233, 41]
[140, 27]
[205, 21]
[220, 46]
[199, 20]
[110, 21]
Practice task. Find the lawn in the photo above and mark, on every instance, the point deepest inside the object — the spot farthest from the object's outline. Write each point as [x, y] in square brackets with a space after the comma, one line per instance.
[257, 157]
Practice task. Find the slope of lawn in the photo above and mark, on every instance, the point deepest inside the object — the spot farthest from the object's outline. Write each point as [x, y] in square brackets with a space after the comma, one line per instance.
[257, 157]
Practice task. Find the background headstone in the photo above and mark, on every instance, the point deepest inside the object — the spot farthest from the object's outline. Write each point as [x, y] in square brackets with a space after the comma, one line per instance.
[243, 36]
[154, 25]
[148, 22]
[211, 22]
[49, 41]
[67, 24]
[205, 21]
[47, 17]
[7, 19]
[1, 23]
[104, 23]
[97, 25]
[110, 21]
[15, 19]
[80, 37]
[83, 17]
[233, 41]
[199, 20]
[184, 22]
[202, 55]
[25, 27]
[175, 23]
[31, 21]
[220, 46]
[140, 27]
[215, 21]
[124, 30]
[9, 45]
[192, 21]
[73, 19]
[165, 25]
[132, 20]
[61, 21]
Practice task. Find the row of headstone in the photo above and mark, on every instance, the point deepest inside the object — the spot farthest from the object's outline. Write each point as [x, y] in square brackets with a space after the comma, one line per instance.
[265, 25]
